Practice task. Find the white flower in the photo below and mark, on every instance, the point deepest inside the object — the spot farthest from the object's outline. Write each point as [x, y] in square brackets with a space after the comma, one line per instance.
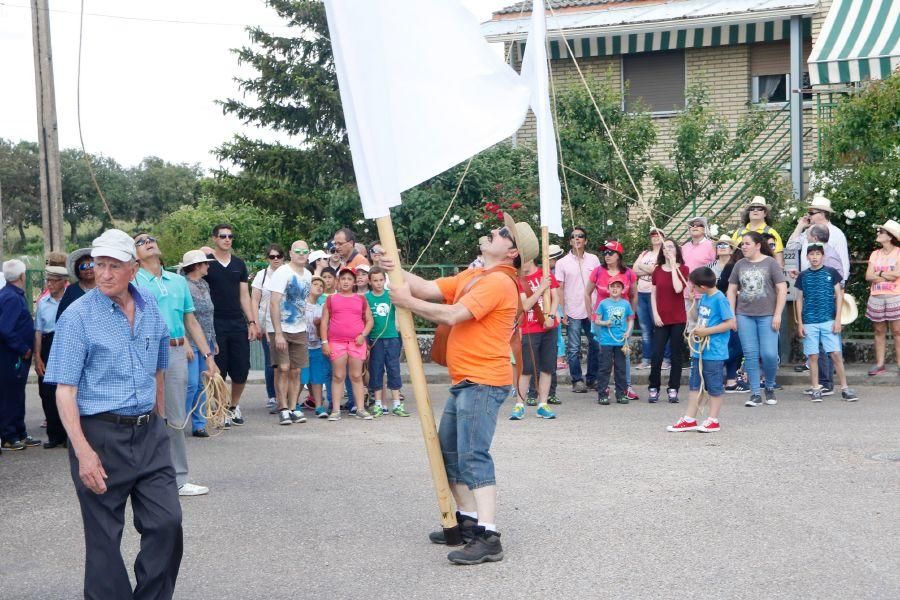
[366, 230]
[850, 213]
[714, 230]
[454, 218]
[891, 200]
[849, 221]
[360, 222]
[876, 189]
[893, 192]
[793, 210]
[861, 214]
[535, 218]
[609, 221]
[462, 222]
[447, 243]
[478, 225]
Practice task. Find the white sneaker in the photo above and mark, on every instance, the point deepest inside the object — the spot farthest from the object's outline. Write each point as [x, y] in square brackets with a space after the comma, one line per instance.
[236, 417]
[189, 489]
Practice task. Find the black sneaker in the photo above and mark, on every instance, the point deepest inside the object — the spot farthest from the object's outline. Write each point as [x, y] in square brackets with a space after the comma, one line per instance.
[653, 396]
[200, 433]
[554, 400]
[14, 445]
[30, 442]
[531, 401]
[284, 417]
[51, 444]
[592, 385]
[849, 395]
[467, 526]
[801, 368]
[755, 400]
[826, 391]
[236, 417]
[484, 547]
[578, 387]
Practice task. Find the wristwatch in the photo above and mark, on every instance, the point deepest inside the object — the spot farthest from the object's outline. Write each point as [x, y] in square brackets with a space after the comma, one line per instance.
[207, 355]
[251, 322]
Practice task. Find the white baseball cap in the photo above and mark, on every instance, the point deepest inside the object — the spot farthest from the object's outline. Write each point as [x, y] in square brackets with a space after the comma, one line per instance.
[114, 243]
[317, 255]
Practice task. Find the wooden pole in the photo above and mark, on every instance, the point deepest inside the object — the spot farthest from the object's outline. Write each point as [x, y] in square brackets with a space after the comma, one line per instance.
[48, 135]
[420, 389]
[545, 265]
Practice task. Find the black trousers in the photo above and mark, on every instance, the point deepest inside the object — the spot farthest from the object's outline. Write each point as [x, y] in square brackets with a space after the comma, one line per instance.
[673, 335]
[612, 357]
[139, 466]
[13, 377]
[56, 433]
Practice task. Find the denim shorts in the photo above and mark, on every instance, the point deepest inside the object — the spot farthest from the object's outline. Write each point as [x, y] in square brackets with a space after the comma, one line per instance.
[713, 376]
[467, 430]
[821, 334]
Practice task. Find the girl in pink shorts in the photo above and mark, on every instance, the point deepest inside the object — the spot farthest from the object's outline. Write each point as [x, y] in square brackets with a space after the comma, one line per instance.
[346, 321]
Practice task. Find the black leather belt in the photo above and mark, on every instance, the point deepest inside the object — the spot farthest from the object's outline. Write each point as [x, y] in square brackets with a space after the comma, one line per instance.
[132, 420]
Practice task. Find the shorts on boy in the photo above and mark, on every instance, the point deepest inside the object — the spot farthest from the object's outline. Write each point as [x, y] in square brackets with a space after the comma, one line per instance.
[713, 381]
[385, 359]
[319, 369]
[339, 349]
[821, 333]
[539, 350]
[296, 354]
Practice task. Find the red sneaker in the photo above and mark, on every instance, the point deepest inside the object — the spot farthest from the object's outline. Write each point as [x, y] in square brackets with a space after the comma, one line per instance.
[709, 426]
[877, 371]
[683, 425]
[631, 394]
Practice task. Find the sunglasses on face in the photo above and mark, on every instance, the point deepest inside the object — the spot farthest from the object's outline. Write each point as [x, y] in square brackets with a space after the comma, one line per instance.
[756, 208]
[143, 241]
[879, 231]
[697, 225]
[504, 233]
[577, 236]
[226, 236]
[85, 266]
[609, 253]
[723, 245]
[276, 256]
[300, 250]
[376, 251]
[773, 245]
[813, 212]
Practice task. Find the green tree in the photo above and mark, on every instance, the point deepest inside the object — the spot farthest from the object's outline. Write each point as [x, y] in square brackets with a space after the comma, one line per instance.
[587, 148]
[19, 179]
[159, 187]
[190, 226]
[81, 202]
[704, 152]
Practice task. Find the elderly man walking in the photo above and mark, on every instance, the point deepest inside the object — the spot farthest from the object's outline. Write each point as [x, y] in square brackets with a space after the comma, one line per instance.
[16, 345]
[108, 357]
[481, 307]
[175, 303]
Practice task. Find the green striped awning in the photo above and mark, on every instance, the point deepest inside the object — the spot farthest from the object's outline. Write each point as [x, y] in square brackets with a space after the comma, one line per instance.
[697, 37]
[860, 40]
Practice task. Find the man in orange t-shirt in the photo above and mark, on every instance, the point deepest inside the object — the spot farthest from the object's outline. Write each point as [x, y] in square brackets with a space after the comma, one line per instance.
[482, 310]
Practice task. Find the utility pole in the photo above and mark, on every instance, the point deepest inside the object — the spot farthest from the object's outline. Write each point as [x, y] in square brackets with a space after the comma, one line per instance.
[2, 225]
[48, 134]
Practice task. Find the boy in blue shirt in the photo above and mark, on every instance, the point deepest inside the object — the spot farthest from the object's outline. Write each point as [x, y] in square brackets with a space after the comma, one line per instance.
[709, 351]
[819, 298]
[613, 322]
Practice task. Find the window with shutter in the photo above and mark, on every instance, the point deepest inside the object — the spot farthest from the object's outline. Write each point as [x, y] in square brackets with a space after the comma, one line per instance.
[770, 65]
[655, 81]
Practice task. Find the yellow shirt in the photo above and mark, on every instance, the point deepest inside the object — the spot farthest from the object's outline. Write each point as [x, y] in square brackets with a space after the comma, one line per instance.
[739, 233]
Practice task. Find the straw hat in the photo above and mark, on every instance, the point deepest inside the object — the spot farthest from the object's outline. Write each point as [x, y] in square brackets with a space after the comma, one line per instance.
[54, 271]
[849, 309]
[193, 257]
[758, 201]
[554, 251]
[891, 226]
[821, 203]
[726, 239]
[523, 236]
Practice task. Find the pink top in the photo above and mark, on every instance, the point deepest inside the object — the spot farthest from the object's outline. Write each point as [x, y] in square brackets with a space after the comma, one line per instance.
[882, 262]
[573, 274]
[601, 276]
[696, 256]
[346, 317]
[647, 259]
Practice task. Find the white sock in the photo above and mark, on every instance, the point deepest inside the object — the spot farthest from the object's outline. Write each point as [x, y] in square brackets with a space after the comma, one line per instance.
[713, 420]
[378, 404]
[687, 418]
[471, 515]
[518, 404]
[397, 403]
[489, 527]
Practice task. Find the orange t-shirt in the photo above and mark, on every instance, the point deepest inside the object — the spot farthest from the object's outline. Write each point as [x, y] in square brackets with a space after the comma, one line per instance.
[357, 260]
[478, 349]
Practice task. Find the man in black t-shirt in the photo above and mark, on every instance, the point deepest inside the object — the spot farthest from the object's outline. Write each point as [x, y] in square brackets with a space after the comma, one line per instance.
[233, 318]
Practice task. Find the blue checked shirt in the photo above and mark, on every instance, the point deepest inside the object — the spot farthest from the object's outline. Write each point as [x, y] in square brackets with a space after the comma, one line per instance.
[112, 364]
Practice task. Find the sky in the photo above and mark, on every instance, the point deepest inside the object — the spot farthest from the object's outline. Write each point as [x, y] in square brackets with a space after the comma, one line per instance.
[148, 83]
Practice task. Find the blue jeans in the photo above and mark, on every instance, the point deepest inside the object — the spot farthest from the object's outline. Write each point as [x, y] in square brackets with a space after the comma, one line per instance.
[735, 356]
[645, 318]
[712, 376]
[467, 430]
[384, 357]
[826, 369]
[268, 369]
[195, 395]
[573, 350]
[759, 340]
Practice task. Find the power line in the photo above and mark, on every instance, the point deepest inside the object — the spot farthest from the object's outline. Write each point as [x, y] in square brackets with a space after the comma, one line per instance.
[139, 19]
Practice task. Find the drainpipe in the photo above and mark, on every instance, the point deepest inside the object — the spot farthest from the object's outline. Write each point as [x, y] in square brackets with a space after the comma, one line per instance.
[796, 100]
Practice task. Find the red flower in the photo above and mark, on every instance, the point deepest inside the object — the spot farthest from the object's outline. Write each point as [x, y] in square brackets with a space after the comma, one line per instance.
[500, 214]
[516, 205]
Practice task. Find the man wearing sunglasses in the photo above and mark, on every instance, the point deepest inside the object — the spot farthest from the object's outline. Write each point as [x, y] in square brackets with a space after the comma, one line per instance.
[573, 272]
[233, 316]
[176, 305]
[289, 286]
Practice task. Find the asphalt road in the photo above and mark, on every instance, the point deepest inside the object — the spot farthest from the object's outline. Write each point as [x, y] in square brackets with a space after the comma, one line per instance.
[784, 502]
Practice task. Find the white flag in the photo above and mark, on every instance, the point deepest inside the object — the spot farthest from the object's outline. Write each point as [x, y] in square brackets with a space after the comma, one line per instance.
[421, 90]
[535, 75]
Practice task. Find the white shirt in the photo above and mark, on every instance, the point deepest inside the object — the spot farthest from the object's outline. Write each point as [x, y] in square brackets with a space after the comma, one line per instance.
[295, 290]
[573, 273]
[838, 241]
[265, 312]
